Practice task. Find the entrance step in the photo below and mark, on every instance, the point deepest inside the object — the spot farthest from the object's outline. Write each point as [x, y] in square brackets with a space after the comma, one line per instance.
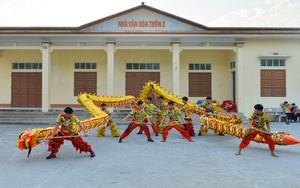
[36, 116]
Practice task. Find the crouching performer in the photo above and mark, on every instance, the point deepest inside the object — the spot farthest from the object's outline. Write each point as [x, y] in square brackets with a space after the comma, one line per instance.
[140, 117]
[174, 122]
[256, 124]
[189, 123]
[64, 125]
[114, 131]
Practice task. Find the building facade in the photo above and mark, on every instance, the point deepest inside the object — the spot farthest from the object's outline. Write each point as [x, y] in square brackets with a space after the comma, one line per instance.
[47, 67]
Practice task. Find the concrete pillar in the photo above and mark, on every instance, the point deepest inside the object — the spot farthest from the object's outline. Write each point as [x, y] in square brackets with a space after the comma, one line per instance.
[46, 62]
[110, 67]
[175, 67]
[240, 71]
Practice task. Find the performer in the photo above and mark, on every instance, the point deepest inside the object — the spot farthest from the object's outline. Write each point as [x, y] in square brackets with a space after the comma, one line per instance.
[287, 111]
[114, 132]
[174, 122]
[158, 118]
[138, 120]
[149, 108]
[256, 122]
[207, 104]
[64, 125]
[187, 117]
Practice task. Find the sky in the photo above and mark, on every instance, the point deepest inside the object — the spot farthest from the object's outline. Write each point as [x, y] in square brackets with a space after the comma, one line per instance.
[211, 13]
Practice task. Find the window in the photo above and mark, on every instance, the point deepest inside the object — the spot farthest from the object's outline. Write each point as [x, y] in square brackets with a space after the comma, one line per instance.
[199, 84]
[199, 66]
[273, 83]
[27, 65]
[272, 62]
[85, 65]
[142, 66]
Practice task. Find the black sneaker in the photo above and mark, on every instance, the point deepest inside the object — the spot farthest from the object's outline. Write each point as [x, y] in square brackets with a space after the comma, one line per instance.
[92, 154]
[156, 134]
[150, 140]
[221, 134]
[51, 156]
[199, 134]
[120, 140]
[139, 133]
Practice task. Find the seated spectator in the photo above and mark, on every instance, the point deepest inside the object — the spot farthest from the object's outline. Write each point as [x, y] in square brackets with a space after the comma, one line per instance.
[287, 111]
[295, 112]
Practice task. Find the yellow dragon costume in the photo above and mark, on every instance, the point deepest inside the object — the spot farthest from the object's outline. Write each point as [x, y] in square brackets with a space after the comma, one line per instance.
[226, 123]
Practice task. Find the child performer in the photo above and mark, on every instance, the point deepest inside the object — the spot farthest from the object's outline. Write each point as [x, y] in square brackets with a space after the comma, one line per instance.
[207, 104]
[158, 118]
[174, 122]
[257, 122]
[139, 116]
[65, 123]
[187, 117]
[114, 132]
[149, 108]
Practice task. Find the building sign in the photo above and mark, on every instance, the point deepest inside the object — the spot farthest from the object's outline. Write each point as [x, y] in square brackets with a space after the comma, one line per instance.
[142, 21]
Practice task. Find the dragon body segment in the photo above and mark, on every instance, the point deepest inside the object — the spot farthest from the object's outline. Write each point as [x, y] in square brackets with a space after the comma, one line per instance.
[229, 124]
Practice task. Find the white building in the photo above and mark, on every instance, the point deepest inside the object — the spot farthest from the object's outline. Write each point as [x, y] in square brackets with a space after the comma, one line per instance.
[46, 67]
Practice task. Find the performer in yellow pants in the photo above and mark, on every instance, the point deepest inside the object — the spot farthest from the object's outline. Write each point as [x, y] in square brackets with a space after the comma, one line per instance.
[158, 118]
[114, 132]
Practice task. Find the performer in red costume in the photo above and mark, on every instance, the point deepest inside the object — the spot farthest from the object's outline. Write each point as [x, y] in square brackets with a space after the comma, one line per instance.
[138, 120]
[64, 125]
[187, 117]
[174, 122]
[149, 109]
[257, 122]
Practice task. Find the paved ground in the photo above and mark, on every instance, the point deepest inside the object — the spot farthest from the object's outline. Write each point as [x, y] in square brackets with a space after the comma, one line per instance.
[207, 162]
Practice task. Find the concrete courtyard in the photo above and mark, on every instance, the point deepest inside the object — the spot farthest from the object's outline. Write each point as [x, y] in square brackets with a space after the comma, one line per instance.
[210, 161]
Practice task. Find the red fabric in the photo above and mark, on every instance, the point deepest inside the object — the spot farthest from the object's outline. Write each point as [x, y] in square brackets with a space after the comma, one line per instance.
[132, 126]
[78, 142]
[226, 102]
[189, 127]
[184, 133]
[228, 105]
[246, 141]
[154, 128]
